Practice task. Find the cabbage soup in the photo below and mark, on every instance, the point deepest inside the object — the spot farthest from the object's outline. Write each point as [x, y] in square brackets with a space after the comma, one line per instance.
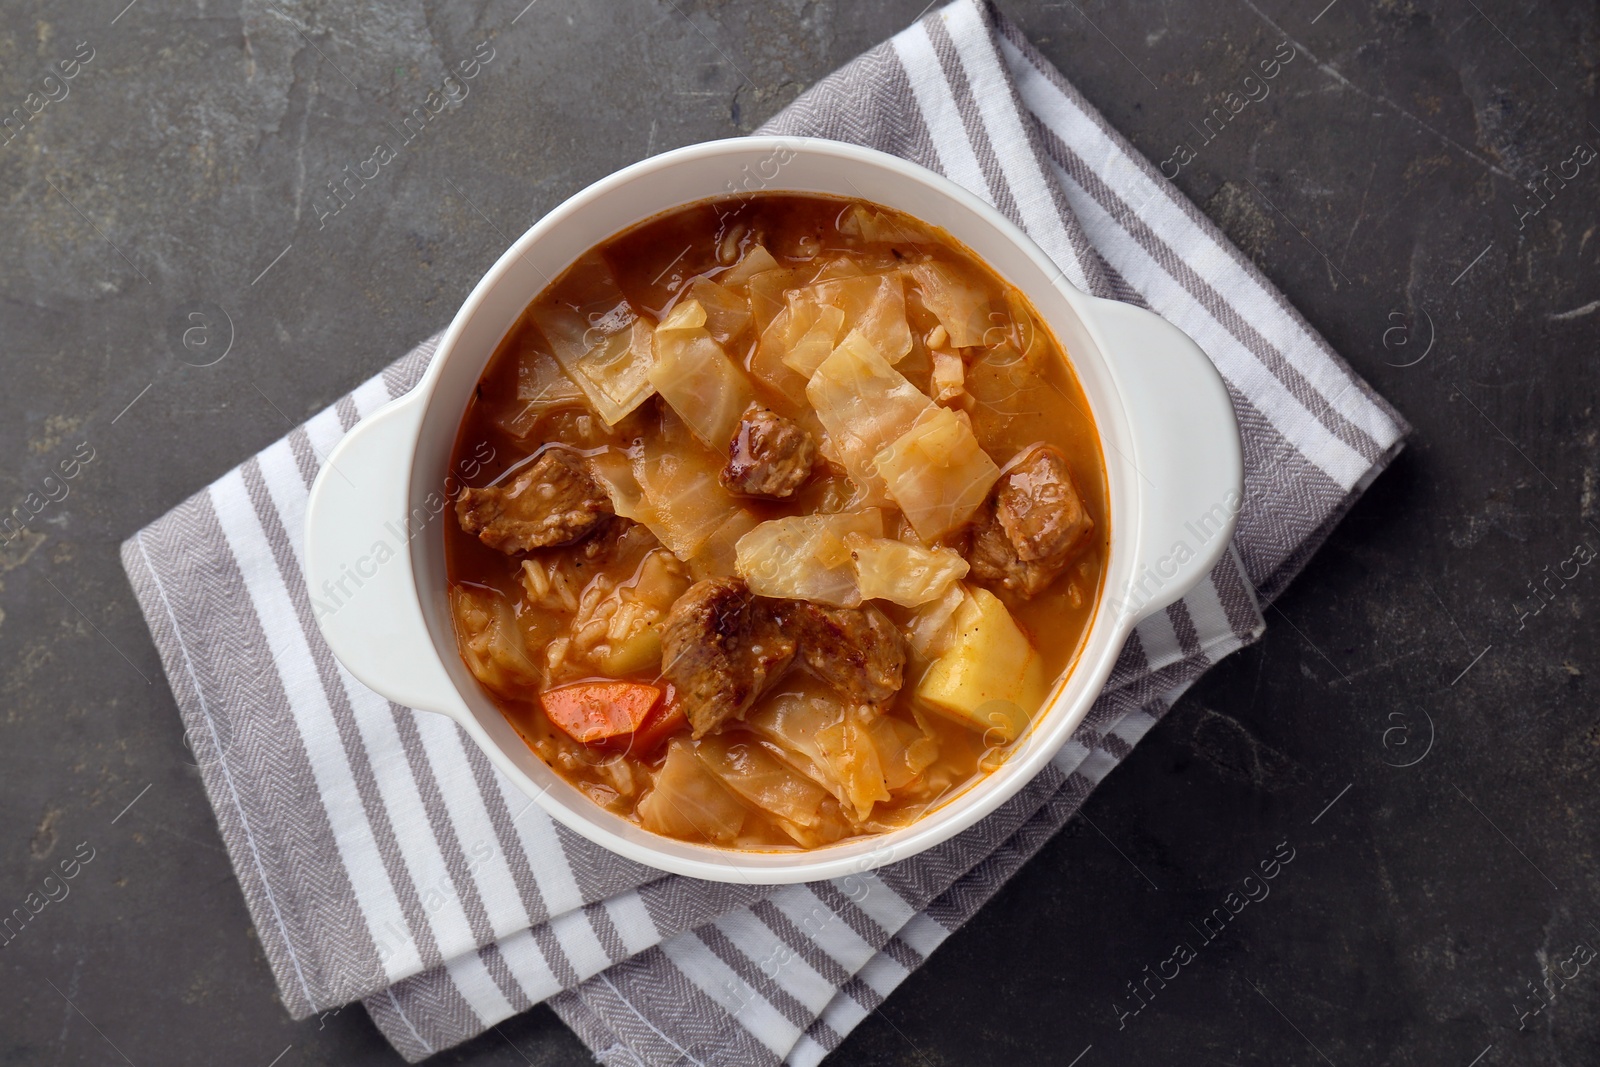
[796, 515]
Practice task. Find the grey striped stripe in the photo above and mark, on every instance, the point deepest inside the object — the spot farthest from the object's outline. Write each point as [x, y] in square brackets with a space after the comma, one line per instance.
[1115, 747]
[348, 415]
[505, 835]
[753, 978]
[601, 874]
[433, 1007]
[504, 980]
[555, 956]
[444, 830]
[403, 373]
[376, 812]
[305, 457]
[904, 954]
[292, 875]
[1200, 290]
[866, 108]
[1183, 624]
[1284, 492]
[1238, 601]
[605, 931]
[647, 994]
[1013, 34]
[798, 940]
[950, 63]
[850, 913]
[1091, 272]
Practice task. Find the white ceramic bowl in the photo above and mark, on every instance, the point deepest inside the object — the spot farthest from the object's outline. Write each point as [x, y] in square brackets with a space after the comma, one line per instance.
[1172, 450]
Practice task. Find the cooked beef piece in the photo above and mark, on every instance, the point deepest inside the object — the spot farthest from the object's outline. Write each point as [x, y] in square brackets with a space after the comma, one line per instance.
[1032, 525]
[721, 647]
[768, 456]
[858, 651]
[554, 502]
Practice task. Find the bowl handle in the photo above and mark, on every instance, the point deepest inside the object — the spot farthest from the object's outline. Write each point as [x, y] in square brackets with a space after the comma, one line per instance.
[1187, 456]
[359, 529]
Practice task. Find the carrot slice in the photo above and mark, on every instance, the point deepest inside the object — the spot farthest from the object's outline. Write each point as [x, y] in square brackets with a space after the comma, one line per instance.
[594, 711]
[667, 719]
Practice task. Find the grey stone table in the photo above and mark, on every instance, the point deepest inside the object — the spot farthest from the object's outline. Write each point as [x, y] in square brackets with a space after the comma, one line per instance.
[1419, 726]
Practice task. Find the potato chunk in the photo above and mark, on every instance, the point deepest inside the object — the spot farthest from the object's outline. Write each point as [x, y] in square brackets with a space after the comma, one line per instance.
[989, 678]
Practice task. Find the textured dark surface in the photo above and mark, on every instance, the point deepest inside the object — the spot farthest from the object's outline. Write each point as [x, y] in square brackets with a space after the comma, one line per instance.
[1380, 184]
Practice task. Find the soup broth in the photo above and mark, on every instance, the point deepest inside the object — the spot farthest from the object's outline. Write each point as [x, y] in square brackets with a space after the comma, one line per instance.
[795, 514]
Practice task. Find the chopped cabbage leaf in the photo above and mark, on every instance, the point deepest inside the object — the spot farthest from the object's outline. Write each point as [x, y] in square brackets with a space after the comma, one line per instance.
[962, 311]
[909, 575]
[678, 479]
[727, 313]
[600, 344]
[613, 469]
[566, 331]
[754, 262]
[669, 484]
[689, 801]
[492, 644]
[948, 380]
[753, 772]
[697, 379]
[815, 318]
[924, 793]
[937, 472]
[852, 755]
[615, 374]
[999, 385]
[802, 335]
[844, 266]
[768, 367]
[685, 315]
[904, 750]
[790, 721]
[875, 227]
[804, 557]
[874, 305]
[542, 382]
[1002, 380]
[865, 405]
[767, 291]
[1030, 336]
[574, 326]
[831, 825]
[813, 346]
[826, 742]
[931, 627]
[542, 386]
[716, 557]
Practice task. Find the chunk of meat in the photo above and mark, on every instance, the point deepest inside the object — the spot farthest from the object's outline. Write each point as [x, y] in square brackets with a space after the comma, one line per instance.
[722, 648]
[857, 651]
[768, 456]
[555, 501]
[1032, 525]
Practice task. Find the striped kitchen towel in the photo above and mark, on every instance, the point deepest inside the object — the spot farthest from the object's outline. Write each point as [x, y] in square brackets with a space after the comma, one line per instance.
[382, 857]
